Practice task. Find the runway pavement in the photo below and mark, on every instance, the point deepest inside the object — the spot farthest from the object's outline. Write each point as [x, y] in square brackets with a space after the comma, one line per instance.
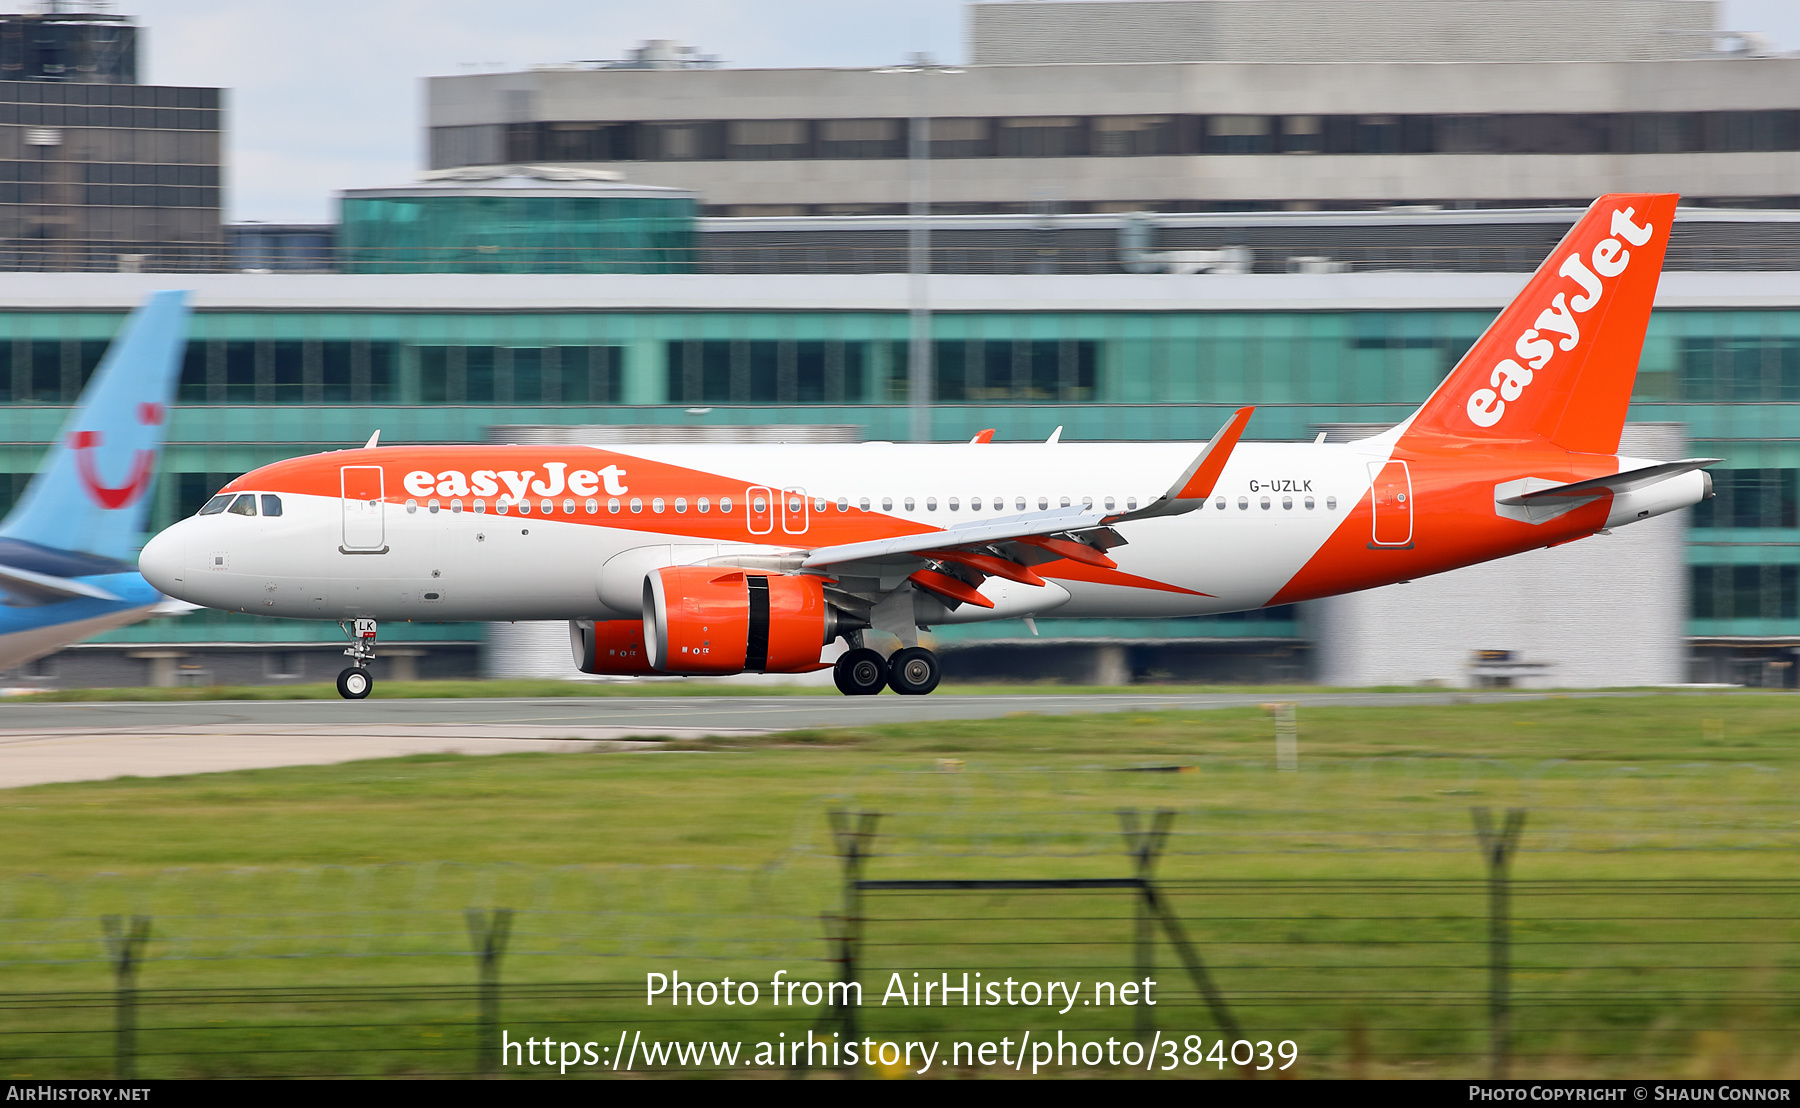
[42, 742]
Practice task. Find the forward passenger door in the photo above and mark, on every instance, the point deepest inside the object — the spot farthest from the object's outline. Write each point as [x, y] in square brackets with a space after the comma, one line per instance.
[364, 500]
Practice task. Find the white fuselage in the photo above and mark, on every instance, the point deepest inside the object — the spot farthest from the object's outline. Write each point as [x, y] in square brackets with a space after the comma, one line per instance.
[1280, 501]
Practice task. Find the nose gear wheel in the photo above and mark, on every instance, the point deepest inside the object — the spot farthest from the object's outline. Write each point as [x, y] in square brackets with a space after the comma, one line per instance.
[355, 683]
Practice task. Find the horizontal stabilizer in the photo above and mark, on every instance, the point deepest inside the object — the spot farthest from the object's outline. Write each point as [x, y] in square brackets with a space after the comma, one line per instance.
[25, 589]
[1619, 482]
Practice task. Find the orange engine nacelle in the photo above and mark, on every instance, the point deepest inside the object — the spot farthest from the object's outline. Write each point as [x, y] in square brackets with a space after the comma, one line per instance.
[610, 646]
[711, 619]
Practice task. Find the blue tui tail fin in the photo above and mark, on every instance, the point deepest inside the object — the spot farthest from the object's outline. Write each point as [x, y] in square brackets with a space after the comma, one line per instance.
[92, 492]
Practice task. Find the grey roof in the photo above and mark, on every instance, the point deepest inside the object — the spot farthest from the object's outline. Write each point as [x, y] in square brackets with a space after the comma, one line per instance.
[873, 292]
[520, 181]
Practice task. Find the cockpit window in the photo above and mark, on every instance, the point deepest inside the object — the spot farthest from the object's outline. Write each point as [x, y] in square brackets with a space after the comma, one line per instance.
[271, 504]
[216, 505]
[244, 505]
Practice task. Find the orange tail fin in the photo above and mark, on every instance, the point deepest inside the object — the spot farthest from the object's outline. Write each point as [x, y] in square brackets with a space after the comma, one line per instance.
[1559, 363]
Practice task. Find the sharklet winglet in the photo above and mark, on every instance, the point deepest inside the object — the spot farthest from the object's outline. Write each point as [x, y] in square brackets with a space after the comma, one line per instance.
[1196, 483]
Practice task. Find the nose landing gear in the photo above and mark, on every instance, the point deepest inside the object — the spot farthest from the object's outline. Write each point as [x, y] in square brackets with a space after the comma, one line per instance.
[355, 683]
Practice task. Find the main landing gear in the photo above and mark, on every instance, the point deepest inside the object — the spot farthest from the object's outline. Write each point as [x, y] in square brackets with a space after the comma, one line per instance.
[355, 683]
[860, 672]
[913, 671]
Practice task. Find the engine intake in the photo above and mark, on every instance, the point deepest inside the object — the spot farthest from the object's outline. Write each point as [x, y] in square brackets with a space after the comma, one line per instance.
[707, 619]
[609, 646]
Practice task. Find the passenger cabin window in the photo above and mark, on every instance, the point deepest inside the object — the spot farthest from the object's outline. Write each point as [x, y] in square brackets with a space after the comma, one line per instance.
[216, 505]
[244, 505]
[271, 504]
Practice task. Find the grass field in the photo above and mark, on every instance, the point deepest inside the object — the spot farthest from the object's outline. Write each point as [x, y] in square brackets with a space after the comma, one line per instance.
[1342, 907]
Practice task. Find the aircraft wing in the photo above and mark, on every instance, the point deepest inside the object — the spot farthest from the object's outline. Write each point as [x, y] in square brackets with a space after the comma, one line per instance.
[972, 533]
[26, 589]
[1078, 527]
[957, 559]
[1623, 481]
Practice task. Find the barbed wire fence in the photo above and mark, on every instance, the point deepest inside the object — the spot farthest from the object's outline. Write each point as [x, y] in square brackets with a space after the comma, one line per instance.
[1612, 931]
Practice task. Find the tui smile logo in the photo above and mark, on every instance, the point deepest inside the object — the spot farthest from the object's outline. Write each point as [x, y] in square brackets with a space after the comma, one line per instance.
[143, 465]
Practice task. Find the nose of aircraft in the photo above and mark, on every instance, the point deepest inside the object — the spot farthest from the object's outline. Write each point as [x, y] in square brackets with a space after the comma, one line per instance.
[162, 560]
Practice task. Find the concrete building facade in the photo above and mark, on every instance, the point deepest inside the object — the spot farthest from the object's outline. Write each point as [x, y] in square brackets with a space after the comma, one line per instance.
[286, 364]
[1327, 114]
[1599, 612]
[1085, 32]
[97, 171]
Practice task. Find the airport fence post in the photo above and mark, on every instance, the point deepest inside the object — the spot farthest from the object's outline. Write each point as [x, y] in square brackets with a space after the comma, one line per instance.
[488, 933]
[125, 948]
[1287, 738]
[1498, 844]
[852, 835]
[1145, 845]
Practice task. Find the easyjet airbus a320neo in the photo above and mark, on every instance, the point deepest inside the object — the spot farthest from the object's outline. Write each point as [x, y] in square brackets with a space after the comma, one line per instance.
[729, 559]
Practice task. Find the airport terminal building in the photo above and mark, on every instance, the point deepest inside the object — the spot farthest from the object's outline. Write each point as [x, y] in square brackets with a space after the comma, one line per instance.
[280, 365]
[1184, 105]
[1125, 246]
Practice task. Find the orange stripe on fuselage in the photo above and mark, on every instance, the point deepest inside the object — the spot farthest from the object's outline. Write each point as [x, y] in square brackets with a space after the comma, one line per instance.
[1454, 521]
[1066, 570]
[642, 479]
